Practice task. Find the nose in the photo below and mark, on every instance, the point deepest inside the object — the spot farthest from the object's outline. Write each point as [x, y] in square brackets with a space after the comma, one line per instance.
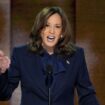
[51, 30]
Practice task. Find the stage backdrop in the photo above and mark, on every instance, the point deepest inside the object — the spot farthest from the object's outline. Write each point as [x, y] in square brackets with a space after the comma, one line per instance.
[5, 29]
[90, 34]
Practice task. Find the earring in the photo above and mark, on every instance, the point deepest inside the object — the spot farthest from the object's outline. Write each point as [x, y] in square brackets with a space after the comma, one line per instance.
[61, 36]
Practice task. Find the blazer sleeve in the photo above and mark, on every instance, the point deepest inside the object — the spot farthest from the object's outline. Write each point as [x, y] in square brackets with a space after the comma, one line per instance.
[10, 80]
[85, 90]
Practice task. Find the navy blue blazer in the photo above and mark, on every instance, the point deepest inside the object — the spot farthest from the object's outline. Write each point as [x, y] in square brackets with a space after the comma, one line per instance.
[27, 68]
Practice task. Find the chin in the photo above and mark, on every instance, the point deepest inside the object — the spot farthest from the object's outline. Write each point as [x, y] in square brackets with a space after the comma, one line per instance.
[51, 46]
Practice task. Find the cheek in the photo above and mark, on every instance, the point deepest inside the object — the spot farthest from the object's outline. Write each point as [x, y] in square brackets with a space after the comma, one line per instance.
[42, 34]
[59, 34]
[43, 37]
[59, 31]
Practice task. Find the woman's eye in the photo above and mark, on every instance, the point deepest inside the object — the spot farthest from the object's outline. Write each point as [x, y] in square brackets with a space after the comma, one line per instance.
[47, 25]
[58, 26]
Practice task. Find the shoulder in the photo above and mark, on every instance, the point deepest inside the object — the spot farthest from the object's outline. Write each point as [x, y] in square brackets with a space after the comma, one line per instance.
[20, 49]
[78, 48]
[78, 56]
[79, 51]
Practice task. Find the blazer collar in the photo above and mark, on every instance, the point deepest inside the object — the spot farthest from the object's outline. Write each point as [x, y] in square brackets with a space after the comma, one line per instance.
[56, 62]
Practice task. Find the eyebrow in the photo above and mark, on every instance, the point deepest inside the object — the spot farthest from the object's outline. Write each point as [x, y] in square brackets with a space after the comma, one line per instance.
[55, 24]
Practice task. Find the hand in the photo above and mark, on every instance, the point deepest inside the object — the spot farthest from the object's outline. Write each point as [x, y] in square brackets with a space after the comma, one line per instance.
[4, 62]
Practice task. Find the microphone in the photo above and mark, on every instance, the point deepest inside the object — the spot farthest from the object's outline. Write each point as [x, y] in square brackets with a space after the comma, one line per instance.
[49, 77]
[49, 80]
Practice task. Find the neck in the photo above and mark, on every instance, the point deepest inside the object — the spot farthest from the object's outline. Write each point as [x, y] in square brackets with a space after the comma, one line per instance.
[49, 50]
[50, 53]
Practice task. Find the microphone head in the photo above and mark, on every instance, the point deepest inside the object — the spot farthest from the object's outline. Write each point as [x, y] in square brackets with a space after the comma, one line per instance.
[49, 69]
[49, 77]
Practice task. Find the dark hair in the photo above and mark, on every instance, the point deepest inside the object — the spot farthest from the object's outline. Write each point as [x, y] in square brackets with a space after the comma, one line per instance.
[64, 45]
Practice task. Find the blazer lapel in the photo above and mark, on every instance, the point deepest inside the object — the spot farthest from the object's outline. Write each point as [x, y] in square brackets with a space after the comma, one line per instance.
[37, 75]
[59, 77]
[60, 81]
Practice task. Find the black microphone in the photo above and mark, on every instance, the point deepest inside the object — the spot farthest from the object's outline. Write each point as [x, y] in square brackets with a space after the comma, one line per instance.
[49, 80]
[49, 77]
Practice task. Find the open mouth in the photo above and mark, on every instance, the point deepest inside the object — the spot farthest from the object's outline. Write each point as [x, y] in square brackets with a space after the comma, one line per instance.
[50, 38]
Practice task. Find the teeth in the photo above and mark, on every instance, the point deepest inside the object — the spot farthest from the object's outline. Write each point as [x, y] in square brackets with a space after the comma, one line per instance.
[51, 38]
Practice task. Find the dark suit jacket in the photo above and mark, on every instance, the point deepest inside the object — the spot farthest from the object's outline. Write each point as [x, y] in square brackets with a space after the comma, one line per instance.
[27, 68]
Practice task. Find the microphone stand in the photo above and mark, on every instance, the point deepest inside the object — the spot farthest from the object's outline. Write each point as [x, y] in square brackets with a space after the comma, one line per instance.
[49, 96]
[48, 84]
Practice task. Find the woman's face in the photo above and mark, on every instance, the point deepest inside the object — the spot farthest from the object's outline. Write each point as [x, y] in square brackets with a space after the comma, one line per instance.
[51, 33]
